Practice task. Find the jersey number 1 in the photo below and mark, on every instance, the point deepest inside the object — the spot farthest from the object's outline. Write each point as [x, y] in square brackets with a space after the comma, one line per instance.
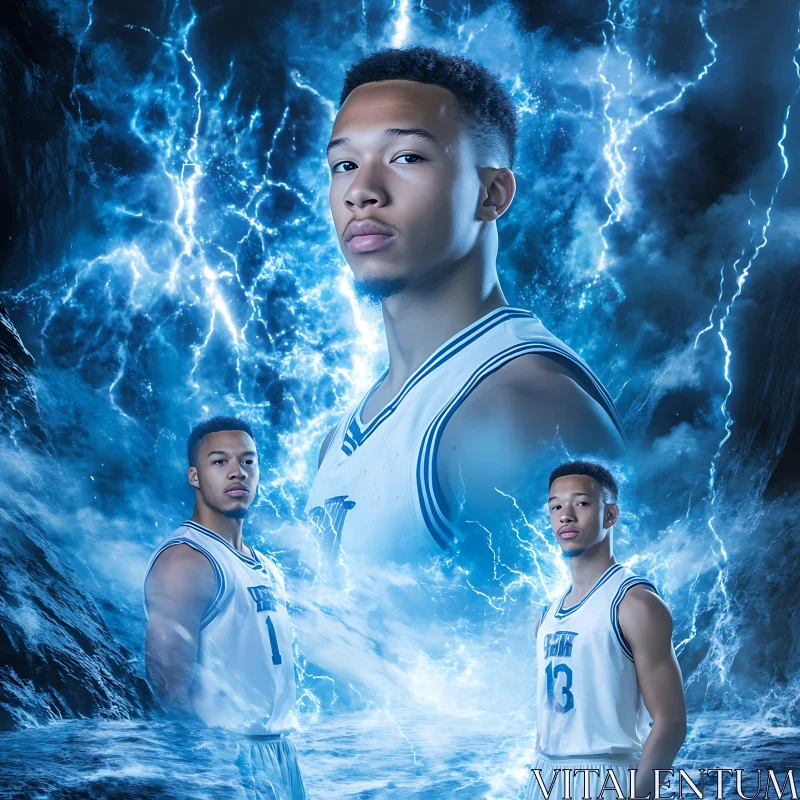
[569, 699]
[264, 600]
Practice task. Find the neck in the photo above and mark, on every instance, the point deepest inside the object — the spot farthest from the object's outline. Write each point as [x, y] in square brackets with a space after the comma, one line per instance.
[587, 568]
[420, 319]
[229, 529]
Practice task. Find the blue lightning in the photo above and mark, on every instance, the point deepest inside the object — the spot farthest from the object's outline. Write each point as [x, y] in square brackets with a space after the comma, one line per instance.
[621, 128]
[227, 256]
[723, 637]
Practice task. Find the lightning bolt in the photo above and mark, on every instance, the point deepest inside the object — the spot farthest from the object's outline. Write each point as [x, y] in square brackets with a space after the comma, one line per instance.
[723, 637]
[620, 128]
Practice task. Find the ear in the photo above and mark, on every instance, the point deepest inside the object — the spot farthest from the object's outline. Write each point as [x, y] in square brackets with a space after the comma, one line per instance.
[611, 515]
[499, 186]
[193, 477]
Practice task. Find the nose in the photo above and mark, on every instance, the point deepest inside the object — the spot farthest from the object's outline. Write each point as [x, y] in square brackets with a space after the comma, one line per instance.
[367, 189]
[237, 471]
[567, 515]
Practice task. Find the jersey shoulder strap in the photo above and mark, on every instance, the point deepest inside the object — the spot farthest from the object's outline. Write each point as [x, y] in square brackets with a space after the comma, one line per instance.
[630, 580]
[187, 536]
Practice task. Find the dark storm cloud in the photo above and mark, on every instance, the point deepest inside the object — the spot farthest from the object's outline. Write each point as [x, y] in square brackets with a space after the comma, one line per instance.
[199, 274]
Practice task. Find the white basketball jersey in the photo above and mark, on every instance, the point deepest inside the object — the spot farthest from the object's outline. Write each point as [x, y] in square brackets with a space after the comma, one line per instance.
[377, 492]
[244, 678]
[588, 698]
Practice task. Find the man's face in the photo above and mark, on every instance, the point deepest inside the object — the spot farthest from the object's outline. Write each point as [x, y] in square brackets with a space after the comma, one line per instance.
[421, 190]
[226, 472]
[578, 515]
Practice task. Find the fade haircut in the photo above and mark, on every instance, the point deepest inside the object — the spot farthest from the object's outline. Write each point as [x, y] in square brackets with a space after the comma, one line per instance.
[213, 425]
[489, 110]
[608, 486]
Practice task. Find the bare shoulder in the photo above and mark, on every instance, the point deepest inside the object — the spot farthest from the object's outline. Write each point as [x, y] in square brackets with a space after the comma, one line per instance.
[507, 427]
[531, 368]
[643, 610]
[531, 400]
[180, 559]
[643, 601]
[180, 574]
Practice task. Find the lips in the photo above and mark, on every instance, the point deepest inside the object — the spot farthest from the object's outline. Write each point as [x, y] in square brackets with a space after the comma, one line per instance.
[568, 533]
[237, 490]
[365, 235]
[365, 227]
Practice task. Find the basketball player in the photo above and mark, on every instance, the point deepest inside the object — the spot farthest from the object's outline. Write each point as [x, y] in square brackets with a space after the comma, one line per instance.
[219, 643]
[605, 658]
[475, 391]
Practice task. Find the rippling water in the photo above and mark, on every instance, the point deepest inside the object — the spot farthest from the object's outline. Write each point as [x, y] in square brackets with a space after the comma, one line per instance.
[353, 755]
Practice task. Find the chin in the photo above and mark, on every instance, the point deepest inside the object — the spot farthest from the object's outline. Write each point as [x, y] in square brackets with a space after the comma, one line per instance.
[239, 512]
[378, 287]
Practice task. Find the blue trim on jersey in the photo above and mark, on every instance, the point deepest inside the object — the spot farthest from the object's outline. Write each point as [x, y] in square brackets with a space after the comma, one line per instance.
[563, 613]
[634, 580]
[354, 435]
[213, 608]
[250, 561]
[433, 506]
[332, 443]
[544, 614]
[349, 444]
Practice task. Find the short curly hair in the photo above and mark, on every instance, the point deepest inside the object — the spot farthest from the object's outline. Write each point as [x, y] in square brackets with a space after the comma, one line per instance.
[608, 486]
[213, 425]
[487, 105]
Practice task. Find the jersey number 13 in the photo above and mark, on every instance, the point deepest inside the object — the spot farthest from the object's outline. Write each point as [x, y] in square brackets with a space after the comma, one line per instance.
[566, 700]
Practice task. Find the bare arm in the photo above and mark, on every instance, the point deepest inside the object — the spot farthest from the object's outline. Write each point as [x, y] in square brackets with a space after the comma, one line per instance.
[536, 636]
[647, 626]
[502, 437]
[179, 589]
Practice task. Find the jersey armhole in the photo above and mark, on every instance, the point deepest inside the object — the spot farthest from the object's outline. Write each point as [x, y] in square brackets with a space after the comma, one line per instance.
[544, 614]
[621, 592]
[330, 437]
[213, 608]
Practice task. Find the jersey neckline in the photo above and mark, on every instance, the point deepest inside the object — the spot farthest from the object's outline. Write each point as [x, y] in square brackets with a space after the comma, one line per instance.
[189, 523]
[562, 612]
[357, 431]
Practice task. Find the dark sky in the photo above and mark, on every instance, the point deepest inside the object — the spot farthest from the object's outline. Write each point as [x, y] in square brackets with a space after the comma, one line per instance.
[165, 204]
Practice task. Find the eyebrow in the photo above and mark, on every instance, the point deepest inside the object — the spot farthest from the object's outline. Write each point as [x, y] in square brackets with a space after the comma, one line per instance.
[226, 453]
[573, 494]
[389, 133]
